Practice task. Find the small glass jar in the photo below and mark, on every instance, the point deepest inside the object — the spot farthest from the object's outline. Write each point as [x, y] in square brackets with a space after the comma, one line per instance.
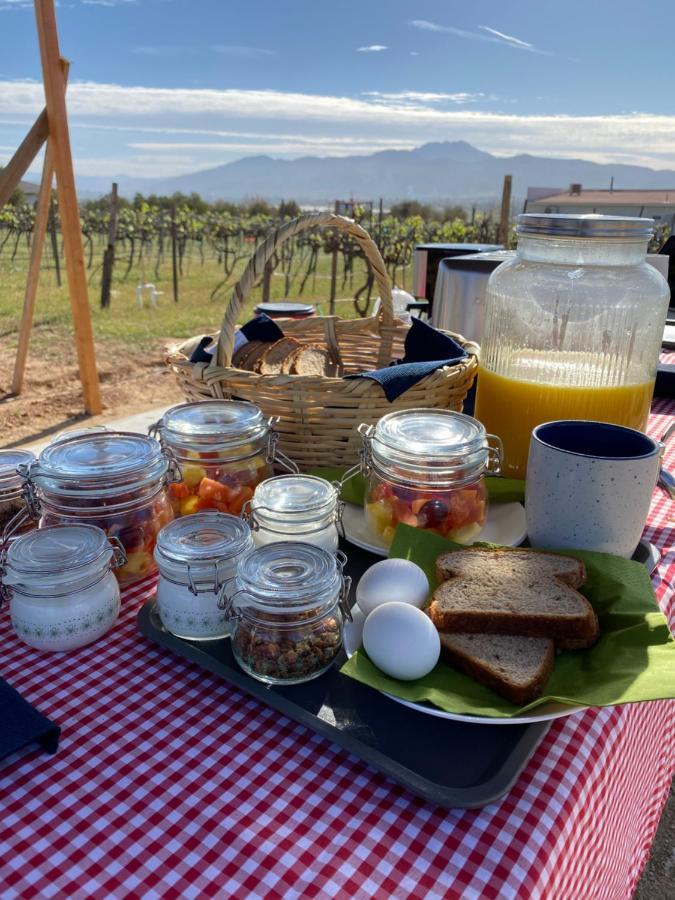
[63, 593]
[197, 557]
[426, 468]
[115, 480]
[296, 508]
[12, 500]
[286, 612]
[224, 448]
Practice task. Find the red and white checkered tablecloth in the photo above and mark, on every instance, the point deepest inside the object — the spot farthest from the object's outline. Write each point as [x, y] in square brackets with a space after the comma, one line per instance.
[170, 783]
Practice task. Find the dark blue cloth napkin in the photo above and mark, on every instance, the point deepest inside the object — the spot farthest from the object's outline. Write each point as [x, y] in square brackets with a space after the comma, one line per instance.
[260, 328]
[21, 724]
[426, 350]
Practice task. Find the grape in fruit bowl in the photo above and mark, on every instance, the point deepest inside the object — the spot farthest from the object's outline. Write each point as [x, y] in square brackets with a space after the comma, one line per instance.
[458, 514]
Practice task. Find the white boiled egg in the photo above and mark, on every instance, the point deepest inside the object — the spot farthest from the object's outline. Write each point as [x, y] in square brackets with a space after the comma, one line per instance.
[392, 580]
[401, 640]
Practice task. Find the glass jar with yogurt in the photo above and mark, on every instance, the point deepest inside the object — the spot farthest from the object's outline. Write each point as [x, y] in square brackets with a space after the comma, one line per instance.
[426, 468]
[296, 508]
[60, 582]
[287, 611]
[197, 558]
[224, 448]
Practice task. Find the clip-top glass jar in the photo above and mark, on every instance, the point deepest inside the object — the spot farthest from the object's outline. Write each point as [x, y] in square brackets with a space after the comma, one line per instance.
[197, 556]
[12, 500]
[224, 449]
[296, 508]
[287, 610]
[573, 329]
[62, 590]
[426, 468]
[115, 480]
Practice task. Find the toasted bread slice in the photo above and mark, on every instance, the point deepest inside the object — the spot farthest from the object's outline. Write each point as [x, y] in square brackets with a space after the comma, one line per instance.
[514, 667]
[515, 592]
[248, 351]
[311, 360]
[276, 354]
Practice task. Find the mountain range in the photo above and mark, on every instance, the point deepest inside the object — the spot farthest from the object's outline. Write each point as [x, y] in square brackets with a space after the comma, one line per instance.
[450, 171]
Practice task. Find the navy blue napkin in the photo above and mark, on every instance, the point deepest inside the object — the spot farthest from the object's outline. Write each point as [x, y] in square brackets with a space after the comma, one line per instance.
[260, 328]
[426, 350]
[21, 724]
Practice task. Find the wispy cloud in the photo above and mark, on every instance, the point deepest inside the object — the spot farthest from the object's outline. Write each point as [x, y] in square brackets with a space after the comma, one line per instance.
[486, 34]
[373, 48]
[423, 97]
[107, 2]
[240, 52]
[6, 5]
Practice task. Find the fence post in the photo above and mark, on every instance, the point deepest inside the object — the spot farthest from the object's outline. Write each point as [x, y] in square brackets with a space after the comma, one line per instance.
[54, 239]
[333, 271]
[174, 257]
[109, 252]
[503, 237]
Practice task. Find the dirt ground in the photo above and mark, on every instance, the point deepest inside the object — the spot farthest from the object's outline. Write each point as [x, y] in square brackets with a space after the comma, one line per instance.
[132, 378]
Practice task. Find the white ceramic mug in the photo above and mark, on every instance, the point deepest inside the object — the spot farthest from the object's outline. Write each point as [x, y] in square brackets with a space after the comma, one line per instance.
[589, 486]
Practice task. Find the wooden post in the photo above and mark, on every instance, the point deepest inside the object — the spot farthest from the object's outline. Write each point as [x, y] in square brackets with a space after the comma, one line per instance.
[39, 231]
[174, 258]
[333, 272]
[505, 215]
[29, 148]
[267, 281]
[59, 139]
[54, 239]
[109, 252]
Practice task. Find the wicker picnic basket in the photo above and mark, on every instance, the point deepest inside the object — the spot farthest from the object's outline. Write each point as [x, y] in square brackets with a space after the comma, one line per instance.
[318, 414]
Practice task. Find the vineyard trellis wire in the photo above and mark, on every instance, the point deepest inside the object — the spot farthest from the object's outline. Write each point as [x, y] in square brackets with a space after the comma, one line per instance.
[144, 236]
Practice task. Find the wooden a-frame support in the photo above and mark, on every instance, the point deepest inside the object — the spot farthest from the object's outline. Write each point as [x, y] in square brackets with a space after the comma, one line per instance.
[51, 127]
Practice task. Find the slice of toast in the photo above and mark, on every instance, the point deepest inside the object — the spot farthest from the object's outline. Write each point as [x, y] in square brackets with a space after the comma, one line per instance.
[514, 667]
[513, 592]
[241, 358]
[311, 360]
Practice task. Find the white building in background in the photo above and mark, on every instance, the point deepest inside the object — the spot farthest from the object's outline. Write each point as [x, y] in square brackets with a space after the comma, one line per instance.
[656, 204]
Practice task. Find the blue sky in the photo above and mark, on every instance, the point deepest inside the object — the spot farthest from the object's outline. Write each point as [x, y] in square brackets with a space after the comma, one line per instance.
[161, 87]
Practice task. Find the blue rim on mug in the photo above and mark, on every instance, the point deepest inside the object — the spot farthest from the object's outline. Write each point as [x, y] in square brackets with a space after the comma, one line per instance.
[599, 440]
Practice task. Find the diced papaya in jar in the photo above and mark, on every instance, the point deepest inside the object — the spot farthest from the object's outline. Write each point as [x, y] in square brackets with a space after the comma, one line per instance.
[214, 490]
[240, 497]
[179, 491]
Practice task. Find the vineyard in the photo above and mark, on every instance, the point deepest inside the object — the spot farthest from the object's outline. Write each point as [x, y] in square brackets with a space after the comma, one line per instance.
[207, 248]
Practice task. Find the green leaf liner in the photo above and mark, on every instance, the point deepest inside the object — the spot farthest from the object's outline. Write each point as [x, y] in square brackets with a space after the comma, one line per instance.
[633, 661]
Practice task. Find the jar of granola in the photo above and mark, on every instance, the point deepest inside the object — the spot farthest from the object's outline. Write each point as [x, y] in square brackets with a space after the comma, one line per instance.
[12, 501]
[286, 612]
[224, 448]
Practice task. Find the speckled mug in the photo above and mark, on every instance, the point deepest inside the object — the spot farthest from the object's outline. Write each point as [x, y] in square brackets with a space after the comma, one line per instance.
[589, 486]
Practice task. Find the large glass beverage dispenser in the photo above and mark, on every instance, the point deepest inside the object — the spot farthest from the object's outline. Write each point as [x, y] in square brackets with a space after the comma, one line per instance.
[573, 328]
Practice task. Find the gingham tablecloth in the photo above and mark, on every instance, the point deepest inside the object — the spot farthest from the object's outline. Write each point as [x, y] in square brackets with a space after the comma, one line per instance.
[170, 783]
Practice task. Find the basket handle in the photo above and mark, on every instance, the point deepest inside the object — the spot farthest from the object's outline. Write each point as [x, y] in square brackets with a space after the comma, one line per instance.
[264, 253]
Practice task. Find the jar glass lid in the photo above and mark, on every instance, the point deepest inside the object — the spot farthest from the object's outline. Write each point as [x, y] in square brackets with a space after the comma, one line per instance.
[287, 574]
[294, 497]
[103, 463]
[430, 442]
[56, 549]
[212, 423]
[588, 225]
[9, 460]
[203, 537]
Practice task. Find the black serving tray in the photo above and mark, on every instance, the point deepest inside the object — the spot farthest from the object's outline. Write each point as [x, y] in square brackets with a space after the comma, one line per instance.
[451, 764]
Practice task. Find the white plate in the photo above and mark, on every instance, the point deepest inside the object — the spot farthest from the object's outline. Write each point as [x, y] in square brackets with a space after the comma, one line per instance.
[352, 641]
[505, 525]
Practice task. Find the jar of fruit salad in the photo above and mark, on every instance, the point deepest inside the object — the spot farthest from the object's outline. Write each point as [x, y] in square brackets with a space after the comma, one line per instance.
[286, 612]
[14, 516]
[224, 449]
[296, 508]
[115, 480]
[426, 468]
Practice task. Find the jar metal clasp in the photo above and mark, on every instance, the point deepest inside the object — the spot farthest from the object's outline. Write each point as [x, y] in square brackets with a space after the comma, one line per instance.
[345, 587]
[495, 449]
[274, 454]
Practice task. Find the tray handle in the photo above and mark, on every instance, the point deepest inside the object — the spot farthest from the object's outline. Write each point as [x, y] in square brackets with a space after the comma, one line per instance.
[265, 251]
